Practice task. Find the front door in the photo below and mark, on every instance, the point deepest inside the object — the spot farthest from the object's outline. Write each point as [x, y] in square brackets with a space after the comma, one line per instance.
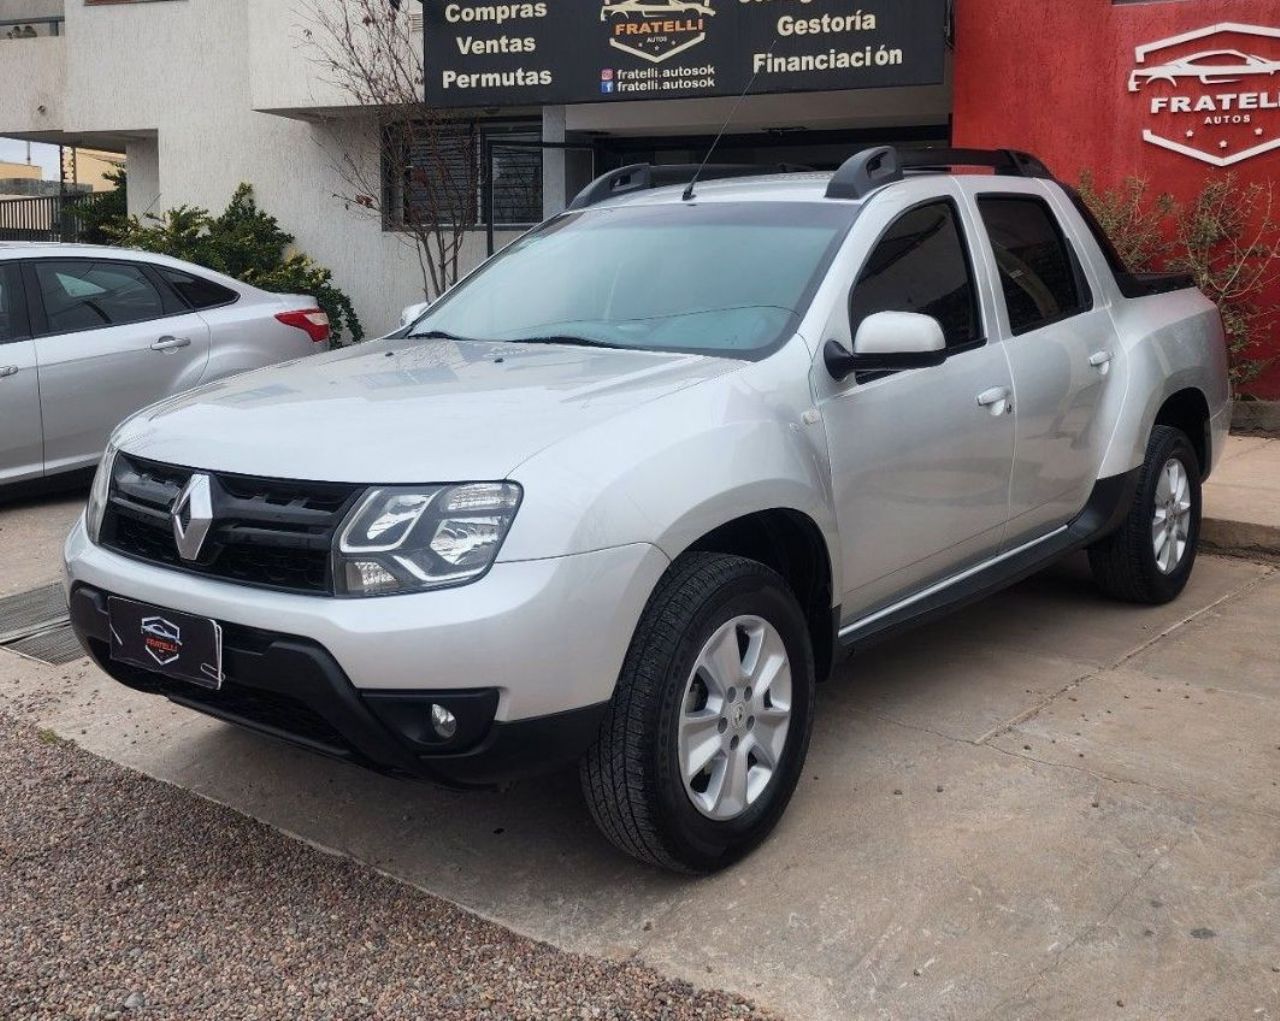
[1061, 347]
[920, 467]
[21, 450]
[111, 339]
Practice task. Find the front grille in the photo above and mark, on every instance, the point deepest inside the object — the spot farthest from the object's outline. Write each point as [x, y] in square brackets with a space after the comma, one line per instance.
[267, 532]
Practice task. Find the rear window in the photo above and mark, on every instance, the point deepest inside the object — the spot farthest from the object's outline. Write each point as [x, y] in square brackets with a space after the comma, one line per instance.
[196, 292]
[1039, 273]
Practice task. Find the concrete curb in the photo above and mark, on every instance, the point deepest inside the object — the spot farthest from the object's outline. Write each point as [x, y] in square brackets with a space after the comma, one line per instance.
[1240, 538]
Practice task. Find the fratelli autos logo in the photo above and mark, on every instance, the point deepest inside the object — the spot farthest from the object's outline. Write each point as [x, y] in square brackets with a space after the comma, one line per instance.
[162, 640]
[656, 30]
[1213, 94]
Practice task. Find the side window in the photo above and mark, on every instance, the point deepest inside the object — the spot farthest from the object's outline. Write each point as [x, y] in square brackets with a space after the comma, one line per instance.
[87, 295]
[921, 265]
[195, 291]
[1038, 271]
[13, 325]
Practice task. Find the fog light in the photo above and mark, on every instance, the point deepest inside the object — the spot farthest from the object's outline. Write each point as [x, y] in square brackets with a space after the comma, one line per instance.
[443, 722]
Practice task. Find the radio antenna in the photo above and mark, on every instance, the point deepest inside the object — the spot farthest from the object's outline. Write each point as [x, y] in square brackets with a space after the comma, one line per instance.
[688, 192]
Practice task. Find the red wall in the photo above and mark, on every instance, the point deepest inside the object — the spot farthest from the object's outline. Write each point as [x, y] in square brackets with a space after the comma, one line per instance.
[1052, 77]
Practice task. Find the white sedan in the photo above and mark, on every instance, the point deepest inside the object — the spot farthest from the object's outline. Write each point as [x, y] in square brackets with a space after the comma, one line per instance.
[89, 335]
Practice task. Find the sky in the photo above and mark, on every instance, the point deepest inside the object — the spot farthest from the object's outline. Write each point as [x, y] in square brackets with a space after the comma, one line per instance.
[13, 151]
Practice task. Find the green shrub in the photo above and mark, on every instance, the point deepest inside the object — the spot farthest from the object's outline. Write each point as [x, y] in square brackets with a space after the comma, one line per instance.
[102, 216]
[246, 243]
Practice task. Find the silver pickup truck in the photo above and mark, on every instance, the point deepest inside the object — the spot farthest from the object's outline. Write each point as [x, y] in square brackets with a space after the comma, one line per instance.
[622, 497]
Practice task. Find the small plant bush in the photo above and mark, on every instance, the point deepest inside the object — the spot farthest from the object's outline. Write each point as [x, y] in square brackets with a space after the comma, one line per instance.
[101, 216]
[1227, 237]
[243, 242]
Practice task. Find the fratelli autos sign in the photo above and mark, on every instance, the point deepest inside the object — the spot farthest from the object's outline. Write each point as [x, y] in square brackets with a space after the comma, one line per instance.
[486, 53]
[1212, 94]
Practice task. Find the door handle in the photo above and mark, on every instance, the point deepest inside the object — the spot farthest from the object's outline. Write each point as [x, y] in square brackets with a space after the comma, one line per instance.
[1101, 360]
[996, 400]
[171, 343]
[8, 370]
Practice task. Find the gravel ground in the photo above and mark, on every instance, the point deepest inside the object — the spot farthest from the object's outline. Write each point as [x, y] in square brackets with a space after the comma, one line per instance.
[122, 897]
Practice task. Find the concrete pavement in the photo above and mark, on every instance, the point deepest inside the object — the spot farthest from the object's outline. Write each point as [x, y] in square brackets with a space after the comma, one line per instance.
[31, 535]
[1042, 807]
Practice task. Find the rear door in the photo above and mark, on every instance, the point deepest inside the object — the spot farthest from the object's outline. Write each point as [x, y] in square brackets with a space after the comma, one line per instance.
[111, 338]
[1062, 347]
[21, 445]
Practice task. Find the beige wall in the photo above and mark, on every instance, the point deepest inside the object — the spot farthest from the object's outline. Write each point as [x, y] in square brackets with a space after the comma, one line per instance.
[93, 165]
[25, 171]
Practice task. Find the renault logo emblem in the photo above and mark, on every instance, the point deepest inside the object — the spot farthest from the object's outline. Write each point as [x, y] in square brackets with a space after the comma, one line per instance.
[193, 516]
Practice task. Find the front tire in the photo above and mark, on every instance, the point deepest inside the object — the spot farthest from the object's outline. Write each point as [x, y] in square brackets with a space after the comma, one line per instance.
[1150, 557]
[707, 733]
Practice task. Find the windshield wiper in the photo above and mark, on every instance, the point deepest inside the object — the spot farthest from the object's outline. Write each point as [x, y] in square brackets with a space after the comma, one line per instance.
[437, 335]
[565, 339]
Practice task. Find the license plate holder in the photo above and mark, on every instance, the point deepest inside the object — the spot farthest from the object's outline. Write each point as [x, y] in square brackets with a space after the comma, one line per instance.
[178, 645]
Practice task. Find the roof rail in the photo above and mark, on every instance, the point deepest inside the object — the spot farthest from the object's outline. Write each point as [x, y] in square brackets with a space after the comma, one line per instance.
[645, 176]
[862, 174]
[1005, 162]
[873, 168]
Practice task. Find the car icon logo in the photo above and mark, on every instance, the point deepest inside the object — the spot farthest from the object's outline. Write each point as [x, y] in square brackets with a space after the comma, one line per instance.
[1212, 67]
[162, 639]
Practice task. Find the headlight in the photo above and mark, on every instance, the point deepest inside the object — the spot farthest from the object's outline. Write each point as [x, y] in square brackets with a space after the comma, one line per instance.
[98, 494]
[414, 538]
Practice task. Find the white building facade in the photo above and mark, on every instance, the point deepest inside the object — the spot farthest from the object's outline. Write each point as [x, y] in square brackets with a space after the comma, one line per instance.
[204, 94]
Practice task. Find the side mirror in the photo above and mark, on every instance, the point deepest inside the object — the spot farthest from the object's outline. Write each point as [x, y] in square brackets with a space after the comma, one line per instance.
[889, 342]
[413, 313]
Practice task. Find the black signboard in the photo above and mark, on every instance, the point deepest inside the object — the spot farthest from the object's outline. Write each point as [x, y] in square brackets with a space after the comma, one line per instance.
[506, 53]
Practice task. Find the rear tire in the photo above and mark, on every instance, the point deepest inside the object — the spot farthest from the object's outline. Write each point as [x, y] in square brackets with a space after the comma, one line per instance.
[715, 626]
[1149, 558]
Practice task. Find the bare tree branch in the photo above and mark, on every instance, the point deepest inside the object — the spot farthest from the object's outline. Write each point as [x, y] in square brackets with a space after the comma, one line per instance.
[423, 177]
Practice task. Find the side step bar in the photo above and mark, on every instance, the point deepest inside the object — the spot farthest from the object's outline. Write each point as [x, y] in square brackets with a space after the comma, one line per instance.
[1108, 504]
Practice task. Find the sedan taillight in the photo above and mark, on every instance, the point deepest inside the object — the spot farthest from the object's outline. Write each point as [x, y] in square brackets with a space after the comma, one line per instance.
[313, 320]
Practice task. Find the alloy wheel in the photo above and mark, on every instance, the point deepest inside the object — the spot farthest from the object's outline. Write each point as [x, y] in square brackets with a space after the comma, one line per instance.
[734, 717]
[1171, 522]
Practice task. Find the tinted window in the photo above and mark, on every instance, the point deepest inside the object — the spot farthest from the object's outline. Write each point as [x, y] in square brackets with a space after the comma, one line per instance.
[1037, 270]
[84, 295]
[196, 291]
[12, 320]
[921, 265]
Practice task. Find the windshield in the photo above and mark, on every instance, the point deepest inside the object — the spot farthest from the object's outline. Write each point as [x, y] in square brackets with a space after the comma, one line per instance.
[714, 278]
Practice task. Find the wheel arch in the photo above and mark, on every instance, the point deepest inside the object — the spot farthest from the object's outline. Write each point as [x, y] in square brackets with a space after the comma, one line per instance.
[790, 542]
[1188, 410]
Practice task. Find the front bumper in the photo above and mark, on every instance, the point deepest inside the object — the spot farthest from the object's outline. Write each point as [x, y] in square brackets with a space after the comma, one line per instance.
[291, 688]
[536, 645]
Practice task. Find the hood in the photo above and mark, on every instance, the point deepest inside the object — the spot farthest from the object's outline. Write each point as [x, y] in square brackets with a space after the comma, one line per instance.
[402, 411]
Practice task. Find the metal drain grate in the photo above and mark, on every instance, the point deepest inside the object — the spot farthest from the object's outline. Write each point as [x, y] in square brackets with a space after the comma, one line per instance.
[29, 612]
[55, 646]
